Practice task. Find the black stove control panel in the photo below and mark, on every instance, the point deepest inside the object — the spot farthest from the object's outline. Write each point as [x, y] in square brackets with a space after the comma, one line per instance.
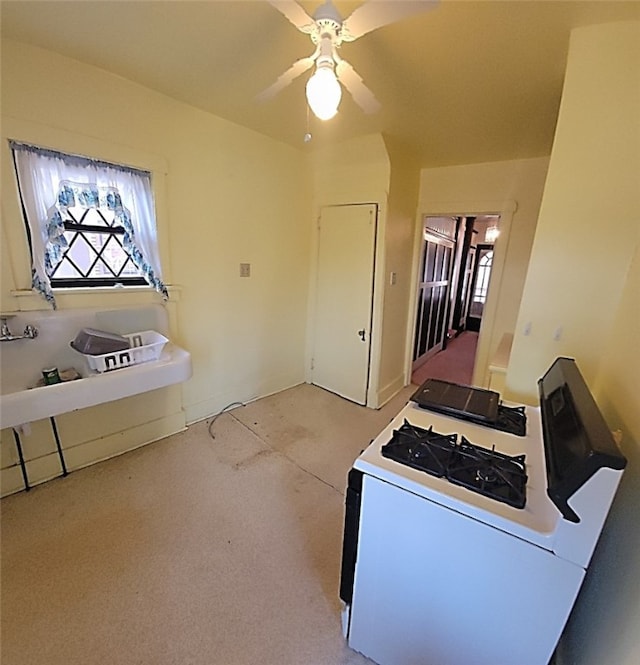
[577, 441]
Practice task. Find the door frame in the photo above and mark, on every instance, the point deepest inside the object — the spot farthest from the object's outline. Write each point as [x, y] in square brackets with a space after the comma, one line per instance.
[505, 210]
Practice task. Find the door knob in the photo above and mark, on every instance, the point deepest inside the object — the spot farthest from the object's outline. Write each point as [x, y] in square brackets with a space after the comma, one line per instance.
[362, 334]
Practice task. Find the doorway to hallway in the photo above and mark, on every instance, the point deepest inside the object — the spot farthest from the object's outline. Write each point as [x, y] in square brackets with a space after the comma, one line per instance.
[455, 363]
[454, 279]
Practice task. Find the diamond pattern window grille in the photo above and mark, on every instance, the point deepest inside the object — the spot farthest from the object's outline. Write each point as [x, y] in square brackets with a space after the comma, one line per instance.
[96, 255]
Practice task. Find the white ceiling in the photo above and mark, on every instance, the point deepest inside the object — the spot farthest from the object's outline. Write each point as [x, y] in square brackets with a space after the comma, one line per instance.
[468, 81]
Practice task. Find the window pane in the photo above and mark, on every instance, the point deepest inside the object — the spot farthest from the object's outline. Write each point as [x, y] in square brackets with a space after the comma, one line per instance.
[114, 254]
[439, 273]
[95, 255]
[447, 260]
[430, 262]
[130, 270]
[424, 328]
[482, 279]
[65, 270]
[100, 269]
[96, 240]
[91, 216]
[81, 253]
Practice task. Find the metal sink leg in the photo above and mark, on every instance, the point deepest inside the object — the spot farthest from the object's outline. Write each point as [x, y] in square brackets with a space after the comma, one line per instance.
[23, 466]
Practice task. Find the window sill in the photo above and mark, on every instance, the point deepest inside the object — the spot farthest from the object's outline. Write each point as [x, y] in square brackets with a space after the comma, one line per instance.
[28, 300]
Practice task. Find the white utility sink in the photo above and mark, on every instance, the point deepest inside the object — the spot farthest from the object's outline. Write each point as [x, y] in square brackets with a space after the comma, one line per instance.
[28, 405]
[23, 360]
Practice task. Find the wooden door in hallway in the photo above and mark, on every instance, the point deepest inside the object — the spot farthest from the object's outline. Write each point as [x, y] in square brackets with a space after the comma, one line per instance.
[344, 299]
[433, 297]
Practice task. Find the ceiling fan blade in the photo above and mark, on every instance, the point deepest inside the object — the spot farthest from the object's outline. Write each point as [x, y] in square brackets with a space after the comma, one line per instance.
[376, 13]
[351, 80]
[298, 67]
[295, 13]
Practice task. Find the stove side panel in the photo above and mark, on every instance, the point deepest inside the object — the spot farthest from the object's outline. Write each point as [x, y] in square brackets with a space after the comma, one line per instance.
[435, 586]
[577, 541]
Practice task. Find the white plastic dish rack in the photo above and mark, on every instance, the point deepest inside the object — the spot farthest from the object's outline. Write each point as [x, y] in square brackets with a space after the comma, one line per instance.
[144, 347]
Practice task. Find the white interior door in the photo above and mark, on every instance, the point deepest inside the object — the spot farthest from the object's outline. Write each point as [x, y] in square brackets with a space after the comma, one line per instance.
[344, 299]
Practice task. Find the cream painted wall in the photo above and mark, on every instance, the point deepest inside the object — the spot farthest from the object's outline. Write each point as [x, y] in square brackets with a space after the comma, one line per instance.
[356, 171]
[589, 218]
[584, 276]
[512, 187]
[247, 335]
[374, 169]
[399, 248]
[229, 195]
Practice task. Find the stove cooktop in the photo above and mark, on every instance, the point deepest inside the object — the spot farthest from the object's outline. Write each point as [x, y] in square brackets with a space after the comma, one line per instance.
[489, 472]
[510, 419]
[482, 470]
[535, 523]
[567, 442]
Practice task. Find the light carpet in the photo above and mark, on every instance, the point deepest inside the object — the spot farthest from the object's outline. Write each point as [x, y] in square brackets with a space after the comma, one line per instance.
[193, 550]
[454, 364]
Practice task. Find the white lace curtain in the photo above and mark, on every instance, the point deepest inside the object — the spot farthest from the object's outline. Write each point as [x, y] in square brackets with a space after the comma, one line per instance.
[51, 181]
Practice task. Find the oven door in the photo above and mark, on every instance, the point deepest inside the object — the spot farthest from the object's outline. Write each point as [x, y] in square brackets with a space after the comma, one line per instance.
[353, 500]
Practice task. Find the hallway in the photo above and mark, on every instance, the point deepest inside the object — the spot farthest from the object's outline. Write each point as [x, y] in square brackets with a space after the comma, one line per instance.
[454, 364]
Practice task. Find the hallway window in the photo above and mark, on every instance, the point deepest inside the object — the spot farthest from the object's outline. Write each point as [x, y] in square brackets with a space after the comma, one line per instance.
[482, 279]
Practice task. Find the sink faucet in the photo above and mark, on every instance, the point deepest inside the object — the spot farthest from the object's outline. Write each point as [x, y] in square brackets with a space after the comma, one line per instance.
[30, 332]
[5, 332]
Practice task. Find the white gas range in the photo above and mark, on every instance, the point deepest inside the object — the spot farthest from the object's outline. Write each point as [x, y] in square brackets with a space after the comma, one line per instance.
[465, 544]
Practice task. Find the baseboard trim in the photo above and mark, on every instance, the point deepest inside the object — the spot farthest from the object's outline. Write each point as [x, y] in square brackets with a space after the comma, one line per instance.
[213, 405]
[47, 467]
[389, 392]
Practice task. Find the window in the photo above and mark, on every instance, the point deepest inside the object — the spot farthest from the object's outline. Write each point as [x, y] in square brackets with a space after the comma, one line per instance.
[95, 254]
[482, 278]
[89, 223]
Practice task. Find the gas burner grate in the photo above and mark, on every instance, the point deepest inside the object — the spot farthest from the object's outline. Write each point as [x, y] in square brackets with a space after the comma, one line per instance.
[487, 472]
[422, 449]
[511, 419]
[490, 473]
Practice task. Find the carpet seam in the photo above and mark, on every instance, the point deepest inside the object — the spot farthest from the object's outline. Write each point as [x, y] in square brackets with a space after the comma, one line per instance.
[266, 443]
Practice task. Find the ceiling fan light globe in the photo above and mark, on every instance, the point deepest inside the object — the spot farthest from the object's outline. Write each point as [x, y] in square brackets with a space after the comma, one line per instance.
[324, 93]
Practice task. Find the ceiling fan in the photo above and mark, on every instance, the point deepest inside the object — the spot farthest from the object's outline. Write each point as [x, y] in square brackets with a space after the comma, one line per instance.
[328, 30]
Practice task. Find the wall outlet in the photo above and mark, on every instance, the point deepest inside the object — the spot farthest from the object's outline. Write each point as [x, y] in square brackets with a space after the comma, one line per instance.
[245, 270]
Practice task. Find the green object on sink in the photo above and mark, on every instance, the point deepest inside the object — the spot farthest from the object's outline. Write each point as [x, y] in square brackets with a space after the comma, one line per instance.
[51, 376]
